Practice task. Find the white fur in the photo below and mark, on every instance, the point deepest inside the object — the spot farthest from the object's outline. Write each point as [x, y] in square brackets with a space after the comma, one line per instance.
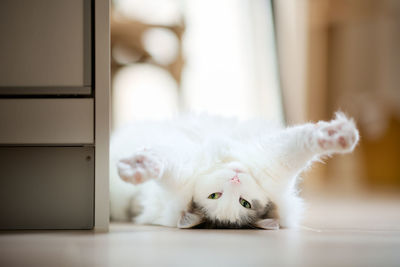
[175, 162]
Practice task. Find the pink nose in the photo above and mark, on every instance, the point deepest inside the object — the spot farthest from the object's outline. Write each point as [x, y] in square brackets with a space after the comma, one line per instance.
[235, 180]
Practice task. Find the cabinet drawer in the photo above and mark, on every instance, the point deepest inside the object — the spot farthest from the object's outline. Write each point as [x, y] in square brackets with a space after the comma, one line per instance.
[46, 187]
[46, 121]
[45, 45]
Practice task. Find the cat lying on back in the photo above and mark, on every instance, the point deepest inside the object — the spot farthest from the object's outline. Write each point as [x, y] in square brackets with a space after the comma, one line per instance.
[218, 173]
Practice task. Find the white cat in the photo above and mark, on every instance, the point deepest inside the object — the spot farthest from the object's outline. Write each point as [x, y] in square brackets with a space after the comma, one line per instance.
[218, 173]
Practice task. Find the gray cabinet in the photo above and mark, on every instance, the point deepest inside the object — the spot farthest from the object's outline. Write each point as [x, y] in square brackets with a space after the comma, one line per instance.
[47, 47]
[46, 187]
[54, 114]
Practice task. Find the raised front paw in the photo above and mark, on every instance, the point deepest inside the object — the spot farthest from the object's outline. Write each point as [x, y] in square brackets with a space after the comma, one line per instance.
[337, 136]
[140, 167]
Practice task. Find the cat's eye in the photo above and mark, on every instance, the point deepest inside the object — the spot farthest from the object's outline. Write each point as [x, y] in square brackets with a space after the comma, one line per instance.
[244, 203]
[215, 195]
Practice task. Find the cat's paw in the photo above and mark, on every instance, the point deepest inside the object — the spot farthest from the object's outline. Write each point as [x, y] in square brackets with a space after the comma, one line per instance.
[142, 166]
[337, 136]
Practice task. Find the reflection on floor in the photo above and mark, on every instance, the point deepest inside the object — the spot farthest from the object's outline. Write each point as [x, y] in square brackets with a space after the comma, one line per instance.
[339, 232]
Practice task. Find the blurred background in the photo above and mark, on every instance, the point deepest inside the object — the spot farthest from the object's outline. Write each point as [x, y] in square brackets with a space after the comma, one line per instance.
[291, 61]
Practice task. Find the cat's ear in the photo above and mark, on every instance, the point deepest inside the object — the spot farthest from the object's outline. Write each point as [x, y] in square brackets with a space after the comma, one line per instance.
[189, 220]
[268, 224]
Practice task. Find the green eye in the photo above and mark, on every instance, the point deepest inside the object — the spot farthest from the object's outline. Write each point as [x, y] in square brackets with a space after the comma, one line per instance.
[215, 195]
[244, 203]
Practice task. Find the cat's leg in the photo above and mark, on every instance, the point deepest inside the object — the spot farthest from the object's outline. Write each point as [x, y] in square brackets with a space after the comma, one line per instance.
[291, 151]
[298, 146]
[143, 165]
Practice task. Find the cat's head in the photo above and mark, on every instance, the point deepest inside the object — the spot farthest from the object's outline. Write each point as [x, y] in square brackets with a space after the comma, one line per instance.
[228, 196]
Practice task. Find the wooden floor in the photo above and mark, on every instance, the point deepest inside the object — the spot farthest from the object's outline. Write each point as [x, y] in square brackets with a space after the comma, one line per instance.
[357, 232]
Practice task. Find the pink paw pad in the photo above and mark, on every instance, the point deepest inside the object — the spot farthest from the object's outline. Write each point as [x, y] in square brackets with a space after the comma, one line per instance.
[342, 142]
[337, 136]
[331, 132]
[140, 167]
[324, 143]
